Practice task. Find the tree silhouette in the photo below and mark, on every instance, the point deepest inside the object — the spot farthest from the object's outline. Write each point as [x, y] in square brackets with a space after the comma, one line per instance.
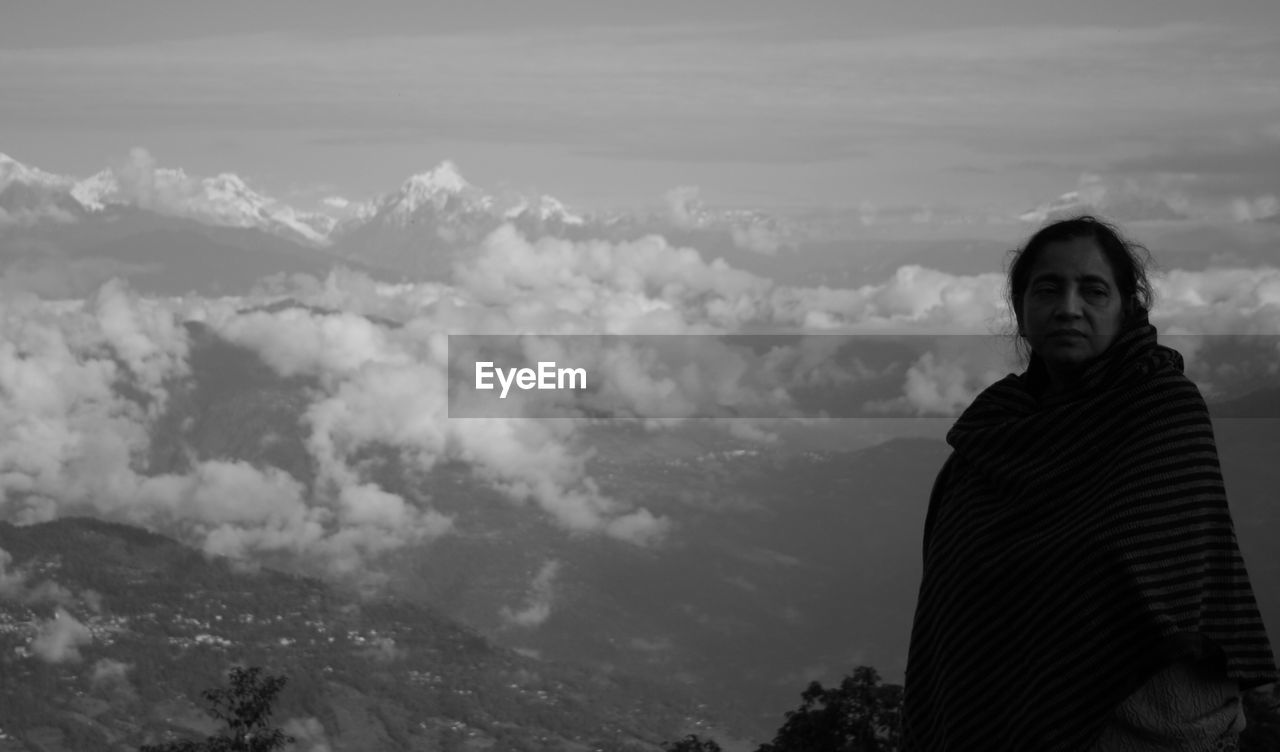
[245, 709]
[691, 743]
[860, 715]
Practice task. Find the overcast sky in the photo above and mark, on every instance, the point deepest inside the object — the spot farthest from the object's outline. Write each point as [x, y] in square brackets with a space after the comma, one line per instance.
[989, 106]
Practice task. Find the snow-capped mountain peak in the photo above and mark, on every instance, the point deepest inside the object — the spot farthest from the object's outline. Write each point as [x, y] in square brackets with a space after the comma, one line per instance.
[29, 195]
[229, 197]
[13, 171]
[439, 188]
[94, 191]
[549, 208]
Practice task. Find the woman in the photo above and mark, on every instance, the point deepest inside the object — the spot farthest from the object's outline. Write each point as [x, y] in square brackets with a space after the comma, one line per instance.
[1082, 585]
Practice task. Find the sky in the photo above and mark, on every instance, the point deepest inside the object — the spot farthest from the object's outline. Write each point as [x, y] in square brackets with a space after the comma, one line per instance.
[983, 107]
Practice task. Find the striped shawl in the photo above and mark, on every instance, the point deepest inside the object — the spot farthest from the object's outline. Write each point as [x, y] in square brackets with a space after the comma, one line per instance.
[1074, 545]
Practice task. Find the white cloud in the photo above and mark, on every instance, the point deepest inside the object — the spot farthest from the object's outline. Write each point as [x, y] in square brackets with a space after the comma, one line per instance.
[15, 585]
[109, 671]
[1255, 209]
[308, 734]
[944, 383]
[385, 650]
[1157, 196]
[388, 387]
[540, 601]
[12, 584]
[684, 206]
[59, 639]
[26, 217]
[756, 238]
[1218, 301]
[71, 442]
[111, 678]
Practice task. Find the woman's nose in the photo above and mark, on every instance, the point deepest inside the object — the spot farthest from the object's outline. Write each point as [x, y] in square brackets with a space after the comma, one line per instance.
[1069, 304]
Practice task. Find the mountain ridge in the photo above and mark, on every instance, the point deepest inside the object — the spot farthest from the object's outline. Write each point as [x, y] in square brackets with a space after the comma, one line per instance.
[163, 620]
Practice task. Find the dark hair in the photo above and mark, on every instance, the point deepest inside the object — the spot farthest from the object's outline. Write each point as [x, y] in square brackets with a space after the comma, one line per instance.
[1128, 261]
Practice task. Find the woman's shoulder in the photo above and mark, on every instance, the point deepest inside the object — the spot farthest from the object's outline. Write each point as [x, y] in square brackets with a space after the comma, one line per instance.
[1171, 383]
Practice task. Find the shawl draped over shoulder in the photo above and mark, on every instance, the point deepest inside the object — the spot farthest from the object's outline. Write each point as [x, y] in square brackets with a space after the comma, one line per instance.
[1074, 546]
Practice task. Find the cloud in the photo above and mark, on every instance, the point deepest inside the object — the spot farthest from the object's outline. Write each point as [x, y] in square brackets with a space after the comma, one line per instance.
[1256, 209]
[756, 238]
[915, 299]
[12, 584]
[1239, 309]
[83, 384]
[388, 386]
[111, 678]
[385, 650]
[808, 95]
[684, 206]
[49, 591]
[1219, 301]
[308, 734]
[632, 287]
[224, 199]
[74, 439]
[41, 268]
[541, 597]
[15, 586]
[1149, 190]
[1231, 161]
[685, 211]
[59, 639]
[944, 383]
[28, 216]
[109, 671]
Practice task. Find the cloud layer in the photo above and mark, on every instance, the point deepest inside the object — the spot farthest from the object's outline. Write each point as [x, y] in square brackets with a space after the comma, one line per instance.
[84, 384]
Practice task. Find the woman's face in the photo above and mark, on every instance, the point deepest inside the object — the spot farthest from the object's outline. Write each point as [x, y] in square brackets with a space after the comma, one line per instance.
[1072, 309]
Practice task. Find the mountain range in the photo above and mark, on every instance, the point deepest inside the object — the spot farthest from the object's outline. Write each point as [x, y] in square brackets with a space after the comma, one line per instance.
[171, 233]
[417, 231]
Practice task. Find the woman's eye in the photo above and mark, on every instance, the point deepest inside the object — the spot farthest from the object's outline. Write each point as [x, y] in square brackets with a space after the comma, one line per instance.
[1096, 291]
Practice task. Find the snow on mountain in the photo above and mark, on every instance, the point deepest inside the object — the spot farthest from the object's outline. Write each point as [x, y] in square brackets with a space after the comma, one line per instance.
[223, 200]
[29, 195]
[92, 192]
[434, 209]
[441, 189]
[1117, 200]
[1119, 208]
[439, 198]
[1069, 202]
[13, 171]
[229, 199]
[547, 209]
[342, 208]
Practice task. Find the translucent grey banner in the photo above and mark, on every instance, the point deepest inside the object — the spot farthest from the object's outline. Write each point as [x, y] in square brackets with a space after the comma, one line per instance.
[770, 376]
